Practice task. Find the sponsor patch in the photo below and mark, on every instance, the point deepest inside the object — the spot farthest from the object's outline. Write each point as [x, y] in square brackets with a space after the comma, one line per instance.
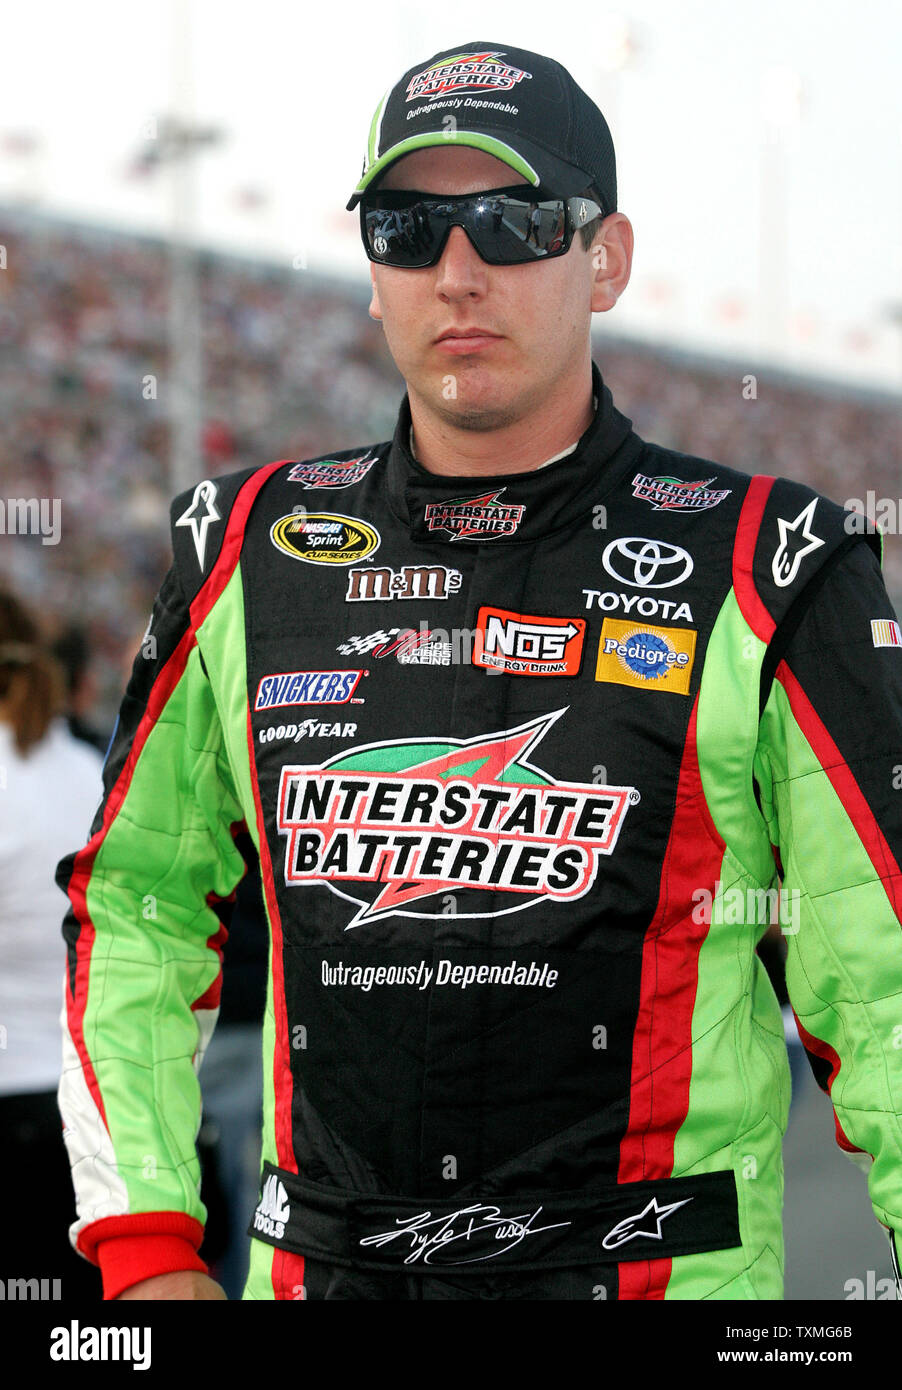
[796, 541]
[392, 827]
[200, 515]
[525, 644]
[646, 564]
[410, 646]
[379, 583]
[273, 1209]
[308, 728]
[885, 632]
[668, 494]
[323, 538]
[650, 658]
[465, 72]
[644, 605]
[331, 472]
[484, 517]
[306, 688]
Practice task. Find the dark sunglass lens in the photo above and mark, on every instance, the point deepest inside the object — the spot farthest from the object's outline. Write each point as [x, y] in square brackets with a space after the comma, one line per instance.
[400, 236]
[525, 231]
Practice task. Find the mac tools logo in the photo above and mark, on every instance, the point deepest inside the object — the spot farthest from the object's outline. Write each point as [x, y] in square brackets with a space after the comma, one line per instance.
[465, 72]
[391, 827]
[272, 1209]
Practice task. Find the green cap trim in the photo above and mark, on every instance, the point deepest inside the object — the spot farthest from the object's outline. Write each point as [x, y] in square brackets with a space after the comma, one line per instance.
[498, 148]
[372, 142]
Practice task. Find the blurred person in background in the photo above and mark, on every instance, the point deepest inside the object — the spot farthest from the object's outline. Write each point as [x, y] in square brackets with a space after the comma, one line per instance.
[71, 650]
[50, 785]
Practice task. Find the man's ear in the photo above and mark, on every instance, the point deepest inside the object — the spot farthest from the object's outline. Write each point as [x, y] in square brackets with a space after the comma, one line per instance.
[612, 258]
[375, 311]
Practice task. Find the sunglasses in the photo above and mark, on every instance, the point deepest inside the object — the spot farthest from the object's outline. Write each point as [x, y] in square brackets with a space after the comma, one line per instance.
[410, 229]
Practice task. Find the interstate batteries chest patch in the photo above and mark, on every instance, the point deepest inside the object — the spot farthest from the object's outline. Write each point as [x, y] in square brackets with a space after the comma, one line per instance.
[469, 517]
[323, 538]
[391, 827]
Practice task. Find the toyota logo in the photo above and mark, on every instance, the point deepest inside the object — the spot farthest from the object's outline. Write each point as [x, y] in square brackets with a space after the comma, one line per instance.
[636, 560]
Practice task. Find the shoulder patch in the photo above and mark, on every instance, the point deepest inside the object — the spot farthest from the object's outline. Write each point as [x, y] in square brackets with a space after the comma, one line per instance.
[334, 471]
[790, 533]
[200, 521]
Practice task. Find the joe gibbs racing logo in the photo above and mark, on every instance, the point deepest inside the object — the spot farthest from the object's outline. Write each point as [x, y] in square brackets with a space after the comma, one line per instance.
[465, 72]
[392, 826]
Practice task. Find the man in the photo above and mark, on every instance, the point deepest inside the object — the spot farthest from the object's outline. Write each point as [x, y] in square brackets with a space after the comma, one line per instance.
[525, 716]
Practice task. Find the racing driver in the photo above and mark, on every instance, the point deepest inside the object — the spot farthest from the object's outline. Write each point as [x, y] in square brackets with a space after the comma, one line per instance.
[528, 719]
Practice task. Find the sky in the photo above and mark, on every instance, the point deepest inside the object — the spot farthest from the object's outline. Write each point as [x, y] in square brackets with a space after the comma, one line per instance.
[759, 147]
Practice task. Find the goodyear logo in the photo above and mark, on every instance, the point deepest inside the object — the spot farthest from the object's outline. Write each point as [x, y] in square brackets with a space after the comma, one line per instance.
[651, 658]
[323, 538]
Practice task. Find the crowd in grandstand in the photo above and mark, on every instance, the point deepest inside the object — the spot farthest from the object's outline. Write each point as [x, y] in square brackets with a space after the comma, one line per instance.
[294, 367]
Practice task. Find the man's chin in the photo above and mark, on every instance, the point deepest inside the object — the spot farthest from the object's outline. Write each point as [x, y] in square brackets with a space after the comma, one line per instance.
[467, 406]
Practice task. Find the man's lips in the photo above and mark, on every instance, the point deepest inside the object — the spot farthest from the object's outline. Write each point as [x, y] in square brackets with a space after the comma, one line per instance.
[461, 340]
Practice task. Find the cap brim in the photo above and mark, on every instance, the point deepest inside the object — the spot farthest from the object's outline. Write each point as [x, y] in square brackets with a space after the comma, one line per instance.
[528, 159]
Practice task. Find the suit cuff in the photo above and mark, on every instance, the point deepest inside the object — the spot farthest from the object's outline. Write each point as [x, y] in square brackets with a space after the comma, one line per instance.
[131, 1248]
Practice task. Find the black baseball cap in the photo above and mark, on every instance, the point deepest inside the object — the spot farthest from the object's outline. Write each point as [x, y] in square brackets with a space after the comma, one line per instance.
[521, 107]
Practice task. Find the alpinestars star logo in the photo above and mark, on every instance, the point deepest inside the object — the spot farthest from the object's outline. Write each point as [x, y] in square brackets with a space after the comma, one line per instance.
[200, 515]
[465, 517]
[391, 827]
[796, 541]
[465, 72]
[647, 1223]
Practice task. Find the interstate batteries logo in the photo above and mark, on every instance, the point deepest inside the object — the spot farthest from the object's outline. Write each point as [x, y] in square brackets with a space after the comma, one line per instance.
[674, 495]
[331, 472]
[465, 72]
[652, 658]
[393, 826]
[322, 538]
[465, 517]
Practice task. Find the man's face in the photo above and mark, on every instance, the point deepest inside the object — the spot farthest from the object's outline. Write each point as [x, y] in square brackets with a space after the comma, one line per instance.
[527, 325]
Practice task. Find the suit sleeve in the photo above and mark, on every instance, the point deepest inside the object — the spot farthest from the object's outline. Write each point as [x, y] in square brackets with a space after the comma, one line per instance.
[144, 938]
[829, 773]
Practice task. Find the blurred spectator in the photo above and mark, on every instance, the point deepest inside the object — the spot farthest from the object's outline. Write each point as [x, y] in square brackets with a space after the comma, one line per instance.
[49, 790]
[72, 653]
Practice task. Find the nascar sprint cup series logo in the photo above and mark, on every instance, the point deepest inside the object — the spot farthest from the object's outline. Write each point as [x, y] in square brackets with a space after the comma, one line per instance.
[322, 538]
[391, 827]
[465, 72]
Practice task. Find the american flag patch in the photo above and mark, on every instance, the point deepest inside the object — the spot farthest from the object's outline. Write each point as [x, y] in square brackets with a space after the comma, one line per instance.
[886, 633]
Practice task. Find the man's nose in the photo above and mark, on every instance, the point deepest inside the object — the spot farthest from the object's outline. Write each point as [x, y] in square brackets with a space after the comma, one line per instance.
[461, 269]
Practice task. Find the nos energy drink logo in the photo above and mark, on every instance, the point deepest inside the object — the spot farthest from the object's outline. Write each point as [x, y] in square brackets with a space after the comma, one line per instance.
[393, 826]
[652, 658]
